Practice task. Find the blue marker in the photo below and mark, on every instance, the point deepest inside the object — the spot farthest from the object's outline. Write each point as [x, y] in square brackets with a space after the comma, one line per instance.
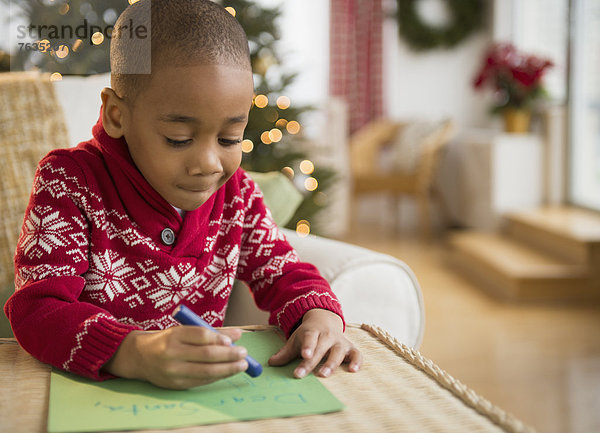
[185, 316]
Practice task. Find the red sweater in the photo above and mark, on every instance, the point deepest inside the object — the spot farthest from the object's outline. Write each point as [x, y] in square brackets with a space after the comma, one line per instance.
[94, 263]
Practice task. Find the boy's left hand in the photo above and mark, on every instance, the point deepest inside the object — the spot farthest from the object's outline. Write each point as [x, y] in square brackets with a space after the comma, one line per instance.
[319, 335]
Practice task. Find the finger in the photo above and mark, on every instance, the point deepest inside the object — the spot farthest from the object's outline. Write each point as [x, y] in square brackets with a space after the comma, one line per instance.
[310, 340]
[336, 356]
[233, 333]
[198, 336]
[355, 360]
[218, 370]
[307, 365]
[194, 374]
[213, 353]
[286, 354]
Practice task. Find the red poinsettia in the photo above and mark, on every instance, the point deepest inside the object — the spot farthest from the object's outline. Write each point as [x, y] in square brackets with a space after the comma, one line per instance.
[516, 77]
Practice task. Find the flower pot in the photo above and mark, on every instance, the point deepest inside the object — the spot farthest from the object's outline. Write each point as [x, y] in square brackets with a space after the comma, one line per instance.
[517, 120]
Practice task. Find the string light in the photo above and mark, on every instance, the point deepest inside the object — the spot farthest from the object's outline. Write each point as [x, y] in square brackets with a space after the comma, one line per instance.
[307, 167]
[97, 38]
[281, 123]
[77, 44]
[283, 102]
[303, 228]
[293, 127]
[230, 10]
[289, 172]
[247, 146]
[264, 137]
[261, 101]
[62, 52]
[56, 76]
[64, 8]
[311, 184]
[275, 135]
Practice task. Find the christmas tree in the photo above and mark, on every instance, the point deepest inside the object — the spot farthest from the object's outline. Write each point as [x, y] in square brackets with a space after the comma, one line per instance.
[274, 133]
[273, 137]
[63, 37]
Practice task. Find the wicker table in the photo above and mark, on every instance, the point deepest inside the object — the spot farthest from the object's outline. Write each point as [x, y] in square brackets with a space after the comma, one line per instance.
[397, 390]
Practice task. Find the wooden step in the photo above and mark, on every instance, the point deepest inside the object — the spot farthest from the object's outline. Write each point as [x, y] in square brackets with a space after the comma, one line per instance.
[516, 271]
[568, 233]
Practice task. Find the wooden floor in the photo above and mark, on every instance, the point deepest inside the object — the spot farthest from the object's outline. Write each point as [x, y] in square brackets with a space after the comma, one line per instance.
[538, 362]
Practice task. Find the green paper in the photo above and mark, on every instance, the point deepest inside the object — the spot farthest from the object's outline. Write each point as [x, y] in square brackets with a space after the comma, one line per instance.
[78, 404]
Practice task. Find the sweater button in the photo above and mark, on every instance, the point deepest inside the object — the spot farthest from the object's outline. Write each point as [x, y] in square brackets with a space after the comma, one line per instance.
[167, 236]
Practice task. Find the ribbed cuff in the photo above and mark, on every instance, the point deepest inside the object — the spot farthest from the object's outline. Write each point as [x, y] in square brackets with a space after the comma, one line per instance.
[292, 312]
[96, 343]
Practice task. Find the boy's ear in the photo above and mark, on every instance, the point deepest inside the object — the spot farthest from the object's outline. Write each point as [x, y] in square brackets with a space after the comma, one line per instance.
[113, 113]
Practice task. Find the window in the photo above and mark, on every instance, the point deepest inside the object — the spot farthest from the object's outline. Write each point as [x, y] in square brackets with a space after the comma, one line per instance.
[584, 104]
[539, 27]
[567, 31]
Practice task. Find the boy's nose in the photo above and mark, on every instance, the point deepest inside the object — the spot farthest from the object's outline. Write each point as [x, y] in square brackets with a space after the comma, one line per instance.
[205, 161]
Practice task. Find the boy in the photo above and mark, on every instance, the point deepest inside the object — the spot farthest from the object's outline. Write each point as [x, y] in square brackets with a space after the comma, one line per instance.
[154, 211]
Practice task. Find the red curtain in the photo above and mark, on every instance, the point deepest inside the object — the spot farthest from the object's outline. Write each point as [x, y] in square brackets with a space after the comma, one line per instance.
[355, 62]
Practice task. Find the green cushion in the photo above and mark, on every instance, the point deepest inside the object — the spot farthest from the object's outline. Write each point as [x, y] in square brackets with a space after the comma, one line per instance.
[5, 293]
[281, 196]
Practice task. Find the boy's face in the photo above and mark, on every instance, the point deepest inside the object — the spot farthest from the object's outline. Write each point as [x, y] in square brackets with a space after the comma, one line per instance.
[185, 131]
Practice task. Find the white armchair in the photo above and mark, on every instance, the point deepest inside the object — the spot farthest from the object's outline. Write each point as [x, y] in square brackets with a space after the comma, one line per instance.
[372, 287]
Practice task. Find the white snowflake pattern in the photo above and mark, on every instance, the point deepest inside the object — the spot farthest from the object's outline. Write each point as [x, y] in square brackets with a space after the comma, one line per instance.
[210, 243]
[163, 322]
[174, 285]
[214, 227]
[266, 274]
[194, 297]
[235, 220]
[258, 242]
[268, 223]
[56, 182]
[220, 273]
[134, 300]
[108, 276]
[251, 221]
[80, 253]
[256, 236]
[43, 232]
[25, 274]
[215, 318]
[147, 266]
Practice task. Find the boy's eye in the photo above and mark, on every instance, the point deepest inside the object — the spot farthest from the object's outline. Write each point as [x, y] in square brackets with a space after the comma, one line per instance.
[226, 142]
[222, 141]
[177, 143]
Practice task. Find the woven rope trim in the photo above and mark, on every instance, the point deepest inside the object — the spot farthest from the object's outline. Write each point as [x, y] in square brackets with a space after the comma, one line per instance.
[503, 419]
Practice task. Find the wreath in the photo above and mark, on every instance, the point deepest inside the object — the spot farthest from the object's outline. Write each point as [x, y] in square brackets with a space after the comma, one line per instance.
[465, 18]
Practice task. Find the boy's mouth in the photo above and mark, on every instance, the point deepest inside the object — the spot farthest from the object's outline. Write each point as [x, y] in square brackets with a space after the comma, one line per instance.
[202, 187]
[197, 189]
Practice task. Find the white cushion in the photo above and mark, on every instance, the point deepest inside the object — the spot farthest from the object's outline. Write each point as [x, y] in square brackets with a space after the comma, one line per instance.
[81, 102]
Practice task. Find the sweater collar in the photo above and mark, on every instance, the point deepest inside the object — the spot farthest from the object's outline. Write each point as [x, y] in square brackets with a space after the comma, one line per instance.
[122, 168]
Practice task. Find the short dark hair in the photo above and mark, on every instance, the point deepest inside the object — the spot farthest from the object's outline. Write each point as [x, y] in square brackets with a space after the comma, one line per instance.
[181, 33]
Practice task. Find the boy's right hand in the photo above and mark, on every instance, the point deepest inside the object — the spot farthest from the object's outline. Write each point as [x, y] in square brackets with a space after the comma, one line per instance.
[178, 358]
